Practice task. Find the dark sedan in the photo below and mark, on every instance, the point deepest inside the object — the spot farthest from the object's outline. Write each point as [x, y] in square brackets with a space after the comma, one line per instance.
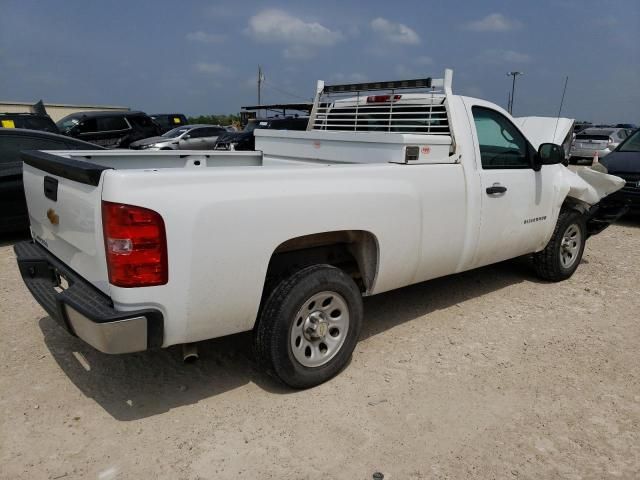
[14, 216]
[624, 162]
[245, 139]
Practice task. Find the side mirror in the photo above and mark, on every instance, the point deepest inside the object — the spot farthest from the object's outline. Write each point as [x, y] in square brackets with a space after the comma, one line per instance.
[550, 154]
[186, 137]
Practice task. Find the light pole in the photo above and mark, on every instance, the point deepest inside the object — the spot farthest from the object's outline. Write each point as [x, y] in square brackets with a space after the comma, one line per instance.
[513, 88]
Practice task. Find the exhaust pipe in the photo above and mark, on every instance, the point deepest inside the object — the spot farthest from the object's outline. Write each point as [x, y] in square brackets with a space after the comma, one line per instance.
[189, 352]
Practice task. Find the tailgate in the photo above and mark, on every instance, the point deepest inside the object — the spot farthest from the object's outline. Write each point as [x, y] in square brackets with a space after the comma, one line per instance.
[64, 202]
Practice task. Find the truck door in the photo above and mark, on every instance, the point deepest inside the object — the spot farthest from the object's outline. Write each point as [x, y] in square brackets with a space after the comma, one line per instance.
[516, 201]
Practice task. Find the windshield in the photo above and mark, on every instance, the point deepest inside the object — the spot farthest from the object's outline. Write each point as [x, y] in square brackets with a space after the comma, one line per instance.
[632, 144]
[176, 132]
[67, 124]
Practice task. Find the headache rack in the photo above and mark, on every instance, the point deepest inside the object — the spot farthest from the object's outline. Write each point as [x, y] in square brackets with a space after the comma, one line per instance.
[417, 106]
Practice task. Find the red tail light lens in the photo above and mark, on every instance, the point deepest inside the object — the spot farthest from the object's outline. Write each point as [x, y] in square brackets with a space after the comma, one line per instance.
[382, 98]
[135, 244]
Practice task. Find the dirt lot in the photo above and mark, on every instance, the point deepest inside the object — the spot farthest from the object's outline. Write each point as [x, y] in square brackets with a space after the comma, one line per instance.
[487, 374]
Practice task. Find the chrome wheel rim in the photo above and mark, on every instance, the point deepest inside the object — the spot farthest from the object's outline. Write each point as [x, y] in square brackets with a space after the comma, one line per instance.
[570, 246]
[319, 329]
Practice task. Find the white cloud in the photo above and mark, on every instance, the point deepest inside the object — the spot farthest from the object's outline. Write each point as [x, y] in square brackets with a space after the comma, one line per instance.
[494, 22]
[277, 26]
[395, 32]
[214, 69]
[204, 37]
[353, 30]
[503, 56]
[298, 52]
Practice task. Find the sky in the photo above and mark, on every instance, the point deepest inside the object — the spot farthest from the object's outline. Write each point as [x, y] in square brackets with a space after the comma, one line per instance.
[201, 57]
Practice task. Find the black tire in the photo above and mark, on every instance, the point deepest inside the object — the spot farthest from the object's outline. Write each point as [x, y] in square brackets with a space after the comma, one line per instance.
[272, 335]
[548, 263]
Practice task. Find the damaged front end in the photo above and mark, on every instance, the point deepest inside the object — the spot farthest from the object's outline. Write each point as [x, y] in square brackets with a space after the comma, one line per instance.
[591, 192]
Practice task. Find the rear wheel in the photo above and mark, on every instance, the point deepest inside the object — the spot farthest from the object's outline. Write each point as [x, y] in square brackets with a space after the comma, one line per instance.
[563, 253]
[309, 326]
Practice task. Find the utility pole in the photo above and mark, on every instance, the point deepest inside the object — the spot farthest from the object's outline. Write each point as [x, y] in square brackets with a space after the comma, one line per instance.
[513, 88]
[260, 80]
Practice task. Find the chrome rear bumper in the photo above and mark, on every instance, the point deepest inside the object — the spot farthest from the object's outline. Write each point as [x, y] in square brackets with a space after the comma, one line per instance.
[83, 310]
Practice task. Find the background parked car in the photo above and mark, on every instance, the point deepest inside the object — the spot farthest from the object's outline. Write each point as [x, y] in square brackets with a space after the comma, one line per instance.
[189, 137]
[31, 121]
[109, 129]
[13, 216]
[169, 121]
[245, 140]
[592, 140]
[624, 162]
[580, 126]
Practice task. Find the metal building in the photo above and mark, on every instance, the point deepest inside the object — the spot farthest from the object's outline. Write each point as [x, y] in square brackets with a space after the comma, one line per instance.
[56, 110]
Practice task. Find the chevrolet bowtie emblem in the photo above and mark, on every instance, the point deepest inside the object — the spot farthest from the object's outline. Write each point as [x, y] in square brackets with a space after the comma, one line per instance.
[53, 216]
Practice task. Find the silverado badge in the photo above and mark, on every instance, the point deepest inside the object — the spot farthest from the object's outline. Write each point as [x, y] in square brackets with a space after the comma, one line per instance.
[53, 216]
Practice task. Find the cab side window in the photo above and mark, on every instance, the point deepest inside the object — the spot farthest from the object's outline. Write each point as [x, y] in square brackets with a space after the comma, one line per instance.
[111, 124]
[141, 121]
[502, 146]
[196, 133]
[88, 126]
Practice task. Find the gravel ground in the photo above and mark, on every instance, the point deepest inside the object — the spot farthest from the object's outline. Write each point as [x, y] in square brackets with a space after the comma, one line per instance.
[486, 374]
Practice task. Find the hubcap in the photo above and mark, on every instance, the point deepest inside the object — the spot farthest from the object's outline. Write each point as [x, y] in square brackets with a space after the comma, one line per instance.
[570, 246]
[319, 329]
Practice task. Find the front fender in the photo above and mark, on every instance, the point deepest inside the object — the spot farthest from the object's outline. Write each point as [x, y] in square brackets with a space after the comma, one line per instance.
[590, 186]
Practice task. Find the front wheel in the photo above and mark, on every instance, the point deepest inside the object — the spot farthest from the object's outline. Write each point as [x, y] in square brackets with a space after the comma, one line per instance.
[563, 253]
[309, 326]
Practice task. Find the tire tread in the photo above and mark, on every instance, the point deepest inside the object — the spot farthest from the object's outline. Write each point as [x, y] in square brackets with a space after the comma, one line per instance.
[267, 349]
[546, 262]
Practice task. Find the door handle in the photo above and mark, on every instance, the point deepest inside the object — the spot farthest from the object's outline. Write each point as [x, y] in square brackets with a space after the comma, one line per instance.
[496, 188]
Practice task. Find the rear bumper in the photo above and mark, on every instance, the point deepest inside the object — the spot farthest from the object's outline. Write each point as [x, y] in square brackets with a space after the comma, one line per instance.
[83, 310]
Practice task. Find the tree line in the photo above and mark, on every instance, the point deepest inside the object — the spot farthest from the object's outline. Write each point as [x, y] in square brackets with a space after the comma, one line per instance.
[216, 119]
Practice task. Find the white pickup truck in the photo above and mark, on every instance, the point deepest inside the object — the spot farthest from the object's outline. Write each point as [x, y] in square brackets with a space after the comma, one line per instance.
[137, 250]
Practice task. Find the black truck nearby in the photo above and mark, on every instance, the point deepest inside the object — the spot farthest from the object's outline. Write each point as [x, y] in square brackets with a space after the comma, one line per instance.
[14, 216]
[169, 121]
[109, 129]
[244, 140]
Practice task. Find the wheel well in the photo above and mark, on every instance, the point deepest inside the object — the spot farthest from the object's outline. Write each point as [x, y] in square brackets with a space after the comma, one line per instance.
[571, 203]
[354, 251]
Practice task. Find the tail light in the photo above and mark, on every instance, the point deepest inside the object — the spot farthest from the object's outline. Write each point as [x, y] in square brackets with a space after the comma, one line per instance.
[382, 98]
[135, 244]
